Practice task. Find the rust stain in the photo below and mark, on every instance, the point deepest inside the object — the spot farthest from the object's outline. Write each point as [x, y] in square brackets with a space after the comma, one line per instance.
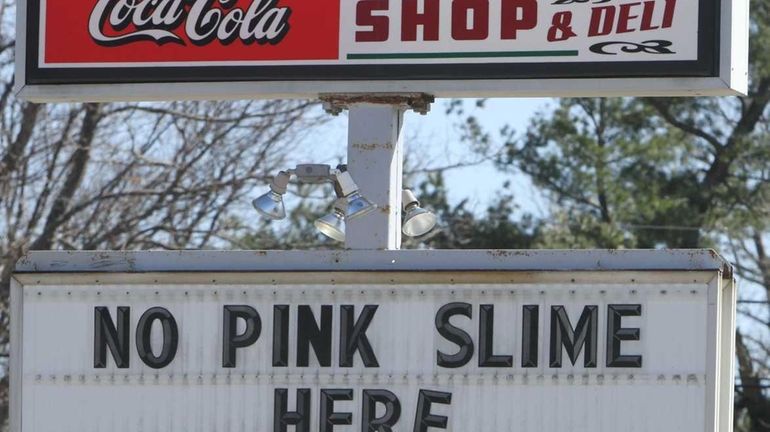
[24, 260]
[335, 103]
[367, 147]
[727, 268]
[503, 253]
[379, 98]
[100, 256]
[336, 257]
[727, 271]
[372, 146]
[131, 261]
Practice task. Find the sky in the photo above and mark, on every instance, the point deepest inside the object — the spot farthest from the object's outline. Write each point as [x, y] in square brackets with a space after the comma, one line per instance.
[433, 140]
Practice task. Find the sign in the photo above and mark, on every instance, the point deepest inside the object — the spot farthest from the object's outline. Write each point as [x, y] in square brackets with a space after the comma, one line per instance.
[171, 49]
[373, 341]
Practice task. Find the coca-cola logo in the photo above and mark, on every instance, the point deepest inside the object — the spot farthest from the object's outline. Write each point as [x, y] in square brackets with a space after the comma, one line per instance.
[118, 22]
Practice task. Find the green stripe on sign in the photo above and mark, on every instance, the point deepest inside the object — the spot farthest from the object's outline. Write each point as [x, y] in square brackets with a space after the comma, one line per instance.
[489, 54]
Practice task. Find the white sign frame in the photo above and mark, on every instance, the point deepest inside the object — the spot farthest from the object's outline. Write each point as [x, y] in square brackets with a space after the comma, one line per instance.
[731, 79]
[400, 267]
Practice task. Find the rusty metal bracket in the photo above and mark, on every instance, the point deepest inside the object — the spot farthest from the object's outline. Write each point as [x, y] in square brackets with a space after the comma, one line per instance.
[334, 104]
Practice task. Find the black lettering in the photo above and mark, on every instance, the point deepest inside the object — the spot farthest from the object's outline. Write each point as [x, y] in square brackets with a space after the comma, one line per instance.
[424, 419]
[144, 337]
[309, 333]
[106, 334]
[283, 418]
[616, 334]
[563, 335]
[231, 339]
[353, 336]
[280, 335]
[486, 340]
[455, 335]
[530, 322]
[369, 420]
[329, 418]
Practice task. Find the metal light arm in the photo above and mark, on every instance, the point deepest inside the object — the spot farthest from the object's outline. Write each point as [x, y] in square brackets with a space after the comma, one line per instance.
[281, 182]
[343, 182]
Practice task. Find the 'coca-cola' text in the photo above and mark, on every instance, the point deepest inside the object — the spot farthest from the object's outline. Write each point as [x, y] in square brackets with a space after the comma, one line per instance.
[118, 22]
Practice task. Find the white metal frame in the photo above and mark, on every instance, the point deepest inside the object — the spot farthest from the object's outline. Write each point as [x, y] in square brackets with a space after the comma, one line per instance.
[732, 79]
[16, 359]
[370, 260]
[397, 267]
[723, 86]
[729, 289]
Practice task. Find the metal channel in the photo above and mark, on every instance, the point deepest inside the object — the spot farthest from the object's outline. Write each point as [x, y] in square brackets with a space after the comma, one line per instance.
[370, 260]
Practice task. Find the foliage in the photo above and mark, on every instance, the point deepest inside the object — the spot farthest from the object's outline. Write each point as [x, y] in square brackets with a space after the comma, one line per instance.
[647, 173]
[459, 227]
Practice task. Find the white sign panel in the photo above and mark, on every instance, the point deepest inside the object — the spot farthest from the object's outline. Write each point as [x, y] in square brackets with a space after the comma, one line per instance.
[575, 350]
[120, 49]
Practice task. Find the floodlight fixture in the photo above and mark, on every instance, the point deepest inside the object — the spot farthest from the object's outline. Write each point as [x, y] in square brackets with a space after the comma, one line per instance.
[270, 205]
[417, 220]
[332, 225]
[350, 203]
[358, 205]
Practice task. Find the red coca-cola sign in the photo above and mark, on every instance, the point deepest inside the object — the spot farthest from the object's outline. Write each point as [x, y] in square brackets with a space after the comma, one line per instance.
[151, 31]
[75, 49]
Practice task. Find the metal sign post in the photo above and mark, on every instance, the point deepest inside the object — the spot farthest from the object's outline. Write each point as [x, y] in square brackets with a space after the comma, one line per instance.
[376, 161]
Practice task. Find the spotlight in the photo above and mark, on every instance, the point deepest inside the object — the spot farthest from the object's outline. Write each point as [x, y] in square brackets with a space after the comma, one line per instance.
[333, 224]
[417, 220]
[270, 205]
[358, 205]
[350, 202]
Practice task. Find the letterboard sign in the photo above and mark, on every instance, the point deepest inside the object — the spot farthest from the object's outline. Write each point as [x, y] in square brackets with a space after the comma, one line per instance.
[132, 49]
[372, 341]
